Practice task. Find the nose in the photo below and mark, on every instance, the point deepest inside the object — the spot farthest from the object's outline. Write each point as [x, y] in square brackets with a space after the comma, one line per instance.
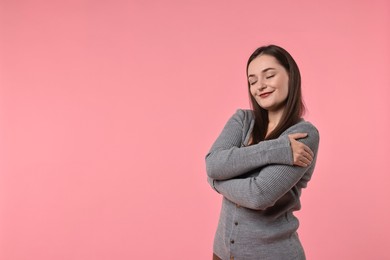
[262, 86]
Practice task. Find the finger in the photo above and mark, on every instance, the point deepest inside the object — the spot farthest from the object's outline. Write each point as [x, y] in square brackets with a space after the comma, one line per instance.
[299, 159]
[305, 161]
[308, 156]
[301, 164]
[298, 135]
[308, 150]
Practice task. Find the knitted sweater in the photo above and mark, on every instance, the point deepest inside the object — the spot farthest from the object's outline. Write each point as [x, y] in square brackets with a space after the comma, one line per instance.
[261, 189]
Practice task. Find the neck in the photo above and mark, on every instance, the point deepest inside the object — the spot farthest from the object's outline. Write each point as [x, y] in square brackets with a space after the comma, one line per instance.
[274, 118]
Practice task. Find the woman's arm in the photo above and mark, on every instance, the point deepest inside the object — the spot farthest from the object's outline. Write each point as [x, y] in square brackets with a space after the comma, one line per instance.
[272, 181]
[227, 159]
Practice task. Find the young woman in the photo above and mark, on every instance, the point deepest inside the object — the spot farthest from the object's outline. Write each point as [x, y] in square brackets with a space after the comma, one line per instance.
[261, 161]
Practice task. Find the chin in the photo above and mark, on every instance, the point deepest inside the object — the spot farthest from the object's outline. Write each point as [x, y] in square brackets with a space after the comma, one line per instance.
[270, 107]
[266, 107]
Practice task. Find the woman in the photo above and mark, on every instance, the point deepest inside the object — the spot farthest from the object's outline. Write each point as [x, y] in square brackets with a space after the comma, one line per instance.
[261, 161]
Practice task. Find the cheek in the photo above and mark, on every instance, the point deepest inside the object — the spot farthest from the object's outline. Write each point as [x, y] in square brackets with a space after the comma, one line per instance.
[285, 91]
[283, 86]
[252, 90]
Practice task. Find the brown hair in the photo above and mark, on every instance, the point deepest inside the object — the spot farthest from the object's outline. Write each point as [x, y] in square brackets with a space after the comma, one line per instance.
[295, 107]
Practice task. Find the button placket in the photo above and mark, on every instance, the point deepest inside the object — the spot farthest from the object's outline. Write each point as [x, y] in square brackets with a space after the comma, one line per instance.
[234, 226]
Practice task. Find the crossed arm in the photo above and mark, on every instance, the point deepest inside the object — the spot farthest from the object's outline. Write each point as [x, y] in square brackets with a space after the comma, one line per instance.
[275, 160]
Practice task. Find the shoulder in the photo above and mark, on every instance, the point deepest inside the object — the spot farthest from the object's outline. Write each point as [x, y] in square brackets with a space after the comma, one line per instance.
[243, 115]
[304, 127]
[303, 124]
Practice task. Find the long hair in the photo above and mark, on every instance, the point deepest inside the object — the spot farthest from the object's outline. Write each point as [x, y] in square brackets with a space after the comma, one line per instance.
[294, 106]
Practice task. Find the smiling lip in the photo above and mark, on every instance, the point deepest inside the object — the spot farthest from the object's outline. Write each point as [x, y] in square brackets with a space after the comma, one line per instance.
[266, 94]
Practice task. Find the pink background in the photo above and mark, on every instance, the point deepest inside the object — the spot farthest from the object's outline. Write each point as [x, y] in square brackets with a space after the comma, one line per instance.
[107, 109]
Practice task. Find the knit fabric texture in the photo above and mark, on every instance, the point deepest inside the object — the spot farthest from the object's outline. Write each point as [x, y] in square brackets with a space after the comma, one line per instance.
[261, 188]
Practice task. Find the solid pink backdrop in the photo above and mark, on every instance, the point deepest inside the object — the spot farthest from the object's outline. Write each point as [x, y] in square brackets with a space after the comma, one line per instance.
[107, 109]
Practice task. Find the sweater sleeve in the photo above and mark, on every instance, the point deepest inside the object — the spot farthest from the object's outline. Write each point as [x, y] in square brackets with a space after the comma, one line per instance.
[228, 159]
[273, 181]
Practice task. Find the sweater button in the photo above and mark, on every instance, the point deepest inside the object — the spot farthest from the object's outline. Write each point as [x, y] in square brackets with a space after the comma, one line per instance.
[232, 241]
[236, 223]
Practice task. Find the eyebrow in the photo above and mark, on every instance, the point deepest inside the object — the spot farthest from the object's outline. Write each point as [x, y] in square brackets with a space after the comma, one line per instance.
[264, 70]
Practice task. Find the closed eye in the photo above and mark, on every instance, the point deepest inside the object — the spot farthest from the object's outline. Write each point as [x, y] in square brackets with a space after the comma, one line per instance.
[271, 76]
[252, 83]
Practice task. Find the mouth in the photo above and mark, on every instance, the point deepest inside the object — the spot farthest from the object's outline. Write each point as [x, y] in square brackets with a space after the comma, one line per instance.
[265, 94]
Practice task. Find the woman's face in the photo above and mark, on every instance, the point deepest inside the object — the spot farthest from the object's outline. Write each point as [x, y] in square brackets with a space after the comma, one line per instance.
[268, 82]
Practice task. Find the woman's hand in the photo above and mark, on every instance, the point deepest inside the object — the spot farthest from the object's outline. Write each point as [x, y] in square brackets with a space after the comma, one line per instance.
[303, 155]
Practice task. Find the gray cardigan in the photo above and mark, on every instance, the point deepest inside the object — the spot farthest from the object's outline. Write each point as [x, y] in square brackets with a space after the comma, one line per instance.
[261, 189]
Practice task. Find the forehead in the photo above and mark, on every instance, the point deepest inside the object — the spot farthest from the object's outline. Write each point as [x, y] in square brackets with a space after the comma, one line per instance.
[263, 62]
